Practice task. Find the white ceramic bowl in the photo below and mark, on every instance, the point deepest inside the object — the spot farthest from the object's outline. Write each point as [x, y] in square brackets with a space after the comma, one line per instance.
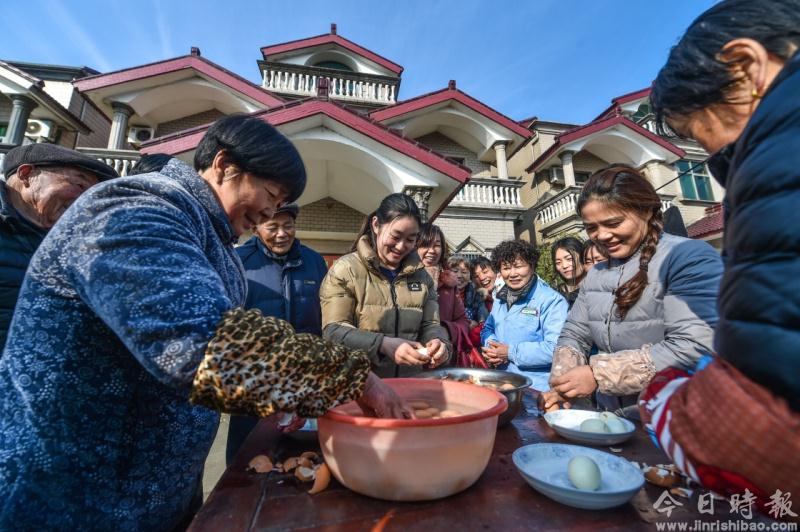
[567, 423]
[544, 467]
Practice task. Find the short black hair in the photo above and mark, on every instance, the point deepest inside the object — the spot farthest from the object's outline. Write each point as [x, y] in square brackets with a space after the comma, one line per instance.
[482, 262]
[255, 147]
[695, 76]
[152, 162]
[511, 250]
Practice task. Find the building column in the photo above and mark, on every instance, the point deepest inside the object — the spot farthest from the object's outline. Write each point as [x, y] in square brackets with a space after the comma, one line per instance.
[420, 195]
[569, 171]
[119, 125]
[502, 163]
[18, 121]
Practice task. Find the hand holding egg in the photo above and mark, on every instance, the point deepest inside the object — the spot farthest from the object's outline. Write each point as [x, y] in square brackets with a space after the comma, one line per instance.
[436, 351]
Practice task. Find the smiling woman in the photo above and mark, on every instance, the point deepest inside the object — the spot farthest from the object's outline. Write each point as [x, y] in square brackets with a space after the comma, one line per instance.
[652, 305]
[133, 339]
[379, 298]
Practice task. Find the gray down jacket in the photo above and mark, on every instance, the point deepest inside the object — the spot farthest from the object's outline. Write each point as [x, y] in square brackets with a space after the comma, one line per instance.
[676, 313]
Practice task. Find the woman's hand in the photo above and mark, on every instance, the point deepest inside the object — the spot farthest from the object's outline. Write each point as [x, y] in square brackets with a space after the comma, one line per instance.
[403, 352]
[495, 353]
[381, 401]
[550, 401]
[577, 382]
[437, 351]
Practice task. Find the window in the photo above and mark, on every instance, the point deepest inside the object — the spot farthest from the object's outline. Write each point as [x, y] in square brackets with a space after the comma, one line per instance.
[3, 131]
[581, 177]
[336, 65]
[695, 180]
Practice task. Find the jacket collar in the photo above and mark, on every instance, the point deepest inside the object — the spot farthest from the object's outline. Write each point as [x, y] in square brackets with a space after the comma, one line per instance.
[410, 264]
[196, 186]
[291, 259]
[10, 216]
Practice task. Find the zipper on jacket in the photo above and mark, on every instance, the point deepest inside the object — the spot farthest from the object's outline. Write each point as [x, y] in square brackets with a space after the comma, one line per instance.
[611, 310]
[396, 320]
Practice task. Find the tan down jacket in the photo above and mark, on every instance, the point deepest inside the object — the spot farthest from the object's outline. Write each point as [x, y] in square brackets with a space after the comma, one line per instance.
[360, 305]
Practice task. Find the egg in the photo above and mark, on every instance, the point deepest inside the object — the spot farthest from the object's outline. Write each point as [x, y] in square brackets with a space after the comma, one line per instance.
[594, 425]
[616, 426]
[583, 473]
[605, 416]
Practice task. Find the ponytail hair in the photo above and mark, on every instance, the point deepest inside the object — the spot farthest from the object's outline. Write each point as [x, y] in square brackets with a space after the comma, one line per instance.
[624, 188]
[393, 206]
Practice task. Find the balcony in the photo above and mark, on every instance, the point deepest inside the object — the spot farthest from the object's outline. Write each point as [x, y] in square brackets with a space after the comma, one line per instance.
[120, 160]
[558, 215]
[346, 86]
[489, 194]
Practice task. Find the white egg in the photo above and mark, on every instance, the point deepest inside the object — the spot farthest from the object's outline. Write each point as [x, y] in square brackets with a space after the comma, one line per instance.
[594, 425]
[583, 473]
[615, 426]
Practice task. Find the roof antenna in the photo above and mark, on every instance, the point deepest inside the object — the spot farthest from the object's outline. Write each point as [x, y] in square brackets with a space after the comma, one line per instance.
[333, 28]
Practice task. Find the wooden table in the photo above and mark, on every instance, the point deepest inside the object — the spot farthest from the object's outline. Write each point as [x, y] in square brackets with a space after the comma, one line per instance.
[501, 499]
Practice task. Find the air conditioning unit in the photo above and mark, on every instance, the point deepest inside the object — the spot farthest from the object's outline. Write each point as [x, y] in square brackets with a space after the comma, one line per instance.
[556, 174]
[40, 129]
[140, 134]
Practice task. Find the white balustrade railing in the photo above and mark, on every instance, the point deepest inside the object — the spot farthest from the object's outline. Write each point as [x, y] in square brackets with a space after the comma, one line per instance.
[340, 87]
[494, 193]
[565, 203]
[120, 160]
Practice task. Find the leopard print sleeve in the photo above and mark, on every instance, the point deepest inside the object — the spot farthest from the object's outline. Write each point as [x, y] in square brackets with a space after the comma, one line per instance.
[258, 366]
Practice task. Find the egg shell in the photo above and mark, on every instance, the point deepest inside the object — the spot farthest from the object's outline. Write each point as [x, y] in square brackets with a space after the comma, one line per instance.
[594, 425]
[583, 473]
[615, 426]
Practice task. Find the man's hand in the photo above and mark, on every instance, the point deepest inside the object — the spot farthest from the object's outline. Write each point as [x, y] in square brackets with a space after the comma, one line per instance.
[495, 353]
[437, 351]
[577, 382]
[550, 401]
[381, 401]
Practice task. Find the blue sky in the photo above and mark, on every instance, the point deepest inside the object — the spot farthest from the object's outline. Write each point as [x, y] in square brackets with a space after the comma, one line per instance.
[561, 60]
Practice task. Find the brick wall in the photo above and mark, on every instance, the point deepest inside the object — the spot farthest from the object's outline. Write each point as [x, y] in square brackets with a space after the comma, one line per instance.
[488, 233]
[449, 148]
[98, 123]
[328, 214]
[187, 122]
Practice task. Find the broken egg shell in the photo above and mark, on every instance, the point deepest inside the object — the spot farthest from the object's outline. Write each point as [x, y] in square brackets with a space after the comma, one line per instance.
[321, 480]
[310, 455]
[304, 474]
[291, 463]
[305, 462]
[682, 492]
[260, 464]
[661, 477]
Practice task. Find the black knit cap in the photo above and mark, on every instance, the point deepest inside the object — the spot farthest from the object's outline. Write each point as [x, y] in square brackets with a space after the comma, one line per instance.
[54, 155]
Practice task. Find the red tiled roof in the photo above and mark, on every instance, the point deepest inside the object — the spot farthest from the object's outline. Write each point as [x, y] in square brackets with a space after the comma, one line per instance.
[593, 127]
[622, 100]
[710, 224]
[331, 38]
[187, 140]
[198, 63]
[433, 98]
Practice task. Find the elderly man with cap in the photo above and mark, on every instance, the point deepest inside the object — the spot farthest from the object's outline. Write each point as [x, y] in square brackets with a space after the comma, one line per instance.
[42, 181]
[283, 280]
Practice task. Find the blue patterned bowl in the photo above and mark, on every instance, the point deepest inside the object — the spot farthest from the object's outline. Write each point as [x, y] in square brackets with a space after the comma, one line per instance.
[544, 467]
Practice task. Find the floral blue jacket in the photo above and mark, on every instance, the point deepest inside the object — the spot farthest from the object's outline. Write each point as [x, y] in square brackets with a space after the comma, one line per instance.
[115, 312]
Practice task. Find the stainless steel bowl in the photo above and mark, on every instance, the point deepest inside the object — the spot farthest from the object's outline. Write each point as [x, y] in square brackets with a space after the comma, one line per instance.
[493, 376]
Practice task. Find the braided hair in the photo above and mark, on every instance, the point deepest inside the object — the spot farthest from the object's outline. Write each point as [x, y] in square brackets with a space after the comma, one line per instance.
[626, 189]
